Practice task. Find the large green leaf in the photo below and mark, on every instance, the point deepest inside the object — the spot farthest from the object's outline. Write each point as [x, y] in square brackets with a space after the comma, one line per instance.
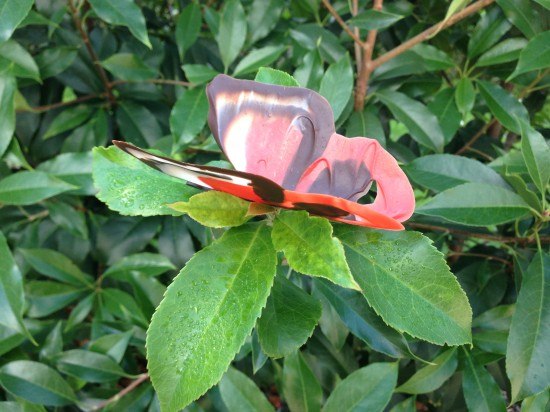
[480, 389]
[522, 15]
[137, 124]
[215, 209]
[133, 188]
[12, 13]
[128, 66]
[273, 76]
[425, 300]
[422, 124]
[301, 389]
[151, 264]
[56, 266]
[232, 31]
[73, 168]
[258, 58]
[46, 297]
[444, 107]
[527, 354]
[68, 119]
[309, 247]
[536, 153]
[367, 389]
[37, 383]
[465, 96]
[28, 187]
[8, 86]
[489, 29]
[374, 19]
[535, 56]
[207, 313]
[123, 13]
[504, 52]
[288, 319]
[506, 108]
[262, 17]
[337, 85]
[240, 394]
[12, 297]
[476, 204]
[188, 27]
[431, 377]
[443, 171]
[18, 61]
[363, 322]
[188, 115]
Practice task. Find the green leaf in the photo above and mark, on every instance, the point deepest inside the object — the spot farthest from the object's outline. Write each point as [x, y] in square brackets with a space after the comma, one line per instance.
[47, 297]
[188, 27]
[128, 66]
[367, 389]
[137, 124]
[258, 58]
[444, 107]
[440, 172]
[28, 187]
[240, 393]
[12, 13]
[465, 96]
[36, 383]
[89, 366]
[480, 389]
[55, 60]
[366, 124]
[56, 266]
[522, 15]
[488, 31]
[309, 247]
[68, 119]
[310, 72]
[133, 188]
[425, 300]
[73, 168]
[207, 313]
[422, 123]
[374, 19]
[232, 31]
[535, 56]
[18, 61]
[363, 322]
[123, 13]
[536, 403]
[527, 354]
[337, 85]
[476, 204]
[12, 298]
[215, 209]
[431, 377]
[433, 58]
[188, 116]
[150, 264]
[113, 345]
[288, 319]
[123, 306]
[506, 51]
[262, 17]
[506, 108]
[79, 312]
[68, 218]
[301, 389]
[273, 76]
[536, 153]
[199, 73]
[8, 86]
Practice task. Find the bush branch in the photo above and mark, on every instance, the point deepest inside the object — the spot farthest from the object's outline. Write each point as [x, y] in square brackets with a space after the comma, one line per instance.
[426, 34]
[45, 108]
[95, 59]
[154, 81]
[342, 23]
[133, 385]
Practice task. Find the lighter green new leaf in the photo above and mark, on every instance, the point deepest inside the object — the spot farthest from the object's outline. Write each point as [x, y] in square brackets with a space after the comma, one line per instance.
[207, 313]
[215, 209]
[424, 300]
[133, 188]
[309, 247]
[274, 76]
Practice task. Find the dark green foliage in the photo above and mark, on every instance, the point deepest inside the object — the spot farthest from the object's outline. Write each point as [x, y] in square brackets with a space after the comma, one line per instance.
[291, 312]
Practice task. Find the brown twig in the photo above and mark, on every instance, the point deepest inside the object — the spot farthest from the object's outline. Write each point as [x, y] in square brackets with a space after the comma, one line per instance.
[366, 66]
[155, 81]
[342, 23]
[474, 139]
[357, 47]
[45, 108]
[482, 255]
[484, 236]
[426, 34]
[140, 379]
[95, 59]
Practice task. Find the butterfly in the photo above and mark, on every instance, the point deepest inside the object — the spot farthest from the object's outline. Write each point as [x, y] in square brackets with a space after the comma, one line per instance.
[286, 153]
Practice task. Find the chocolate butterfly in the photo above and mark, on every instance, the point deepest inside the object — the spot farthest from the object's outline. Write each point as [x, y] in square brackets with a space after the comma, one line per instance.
[286, 152]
